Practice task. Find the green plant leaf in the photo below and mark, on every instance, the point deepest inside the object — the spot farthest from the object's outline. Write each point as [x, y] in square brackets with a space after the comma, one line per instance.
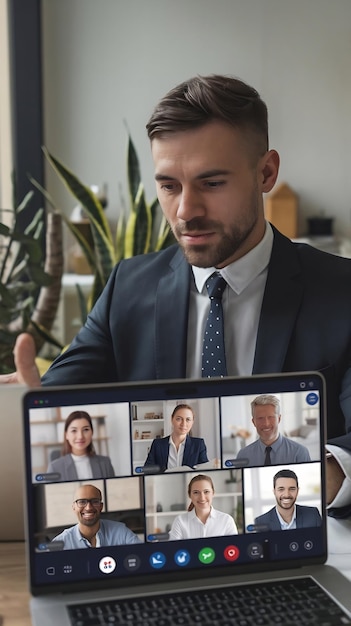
[129, 236]
[165, 235]
[32, 249]
[6, 297]
[120, 237]
[36, 225]
[49, 338]
[136, 233]
[103, 242]
[143, 225]
[82, 193]
[39, 276]
[23, 205]
[133, 171]
[4, 230]
[88, 252]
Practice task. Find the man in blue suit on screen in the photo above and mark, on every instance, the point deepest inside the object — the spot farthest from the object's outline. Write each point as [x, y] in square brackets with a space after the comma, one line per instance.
[287, 515]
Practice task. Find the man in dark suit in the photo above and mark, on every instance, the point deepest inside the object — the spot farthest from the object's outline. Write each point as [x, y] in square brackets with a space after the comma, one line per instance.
[287, 514]
[287, 306]
[180, 448]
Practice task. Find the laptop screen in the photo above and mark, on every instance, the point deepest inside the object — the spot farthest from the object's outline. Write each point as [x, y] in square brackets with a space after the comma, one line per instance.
[141, 482]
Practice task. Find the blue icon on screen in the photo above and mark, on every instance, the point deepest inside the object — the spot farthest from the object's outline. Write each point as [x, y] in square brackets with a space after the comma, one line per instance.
[157, 560]
[182, 558]
[312, 398]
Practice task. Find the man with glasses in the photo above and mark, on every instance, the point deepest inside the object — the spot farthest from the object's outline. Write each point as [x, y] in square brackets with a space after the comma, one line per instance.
[91, 531]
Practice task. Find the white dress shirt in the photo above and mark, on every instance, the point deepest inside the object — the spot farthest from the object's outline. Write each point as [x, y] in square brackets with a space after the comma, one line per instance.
[287, 525]
[189, 526]
[175, 457]
[343, 457]
[242, 300]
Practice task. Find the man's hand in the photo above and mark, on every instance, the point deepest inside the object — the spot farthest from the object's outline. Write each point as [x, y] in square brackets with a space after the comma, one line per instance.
[26, 369]
[334, 478]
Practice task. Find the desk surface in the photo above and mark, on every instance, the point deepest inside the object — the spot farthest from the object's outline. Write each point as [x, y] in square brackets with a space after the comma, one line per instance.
[14, 595]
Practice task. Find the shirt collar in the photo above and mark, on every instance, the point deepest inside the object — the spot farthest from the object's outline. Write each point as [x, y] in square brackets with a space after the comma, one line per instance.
[213, 513]
[171, 442]
[242, 272]
[283, 523]
[80, 537]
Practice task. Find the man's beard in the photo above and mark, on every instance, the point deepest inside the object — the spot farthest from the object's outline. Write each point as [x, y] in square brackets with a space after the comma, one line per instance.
[89, 522]
[209, 255]
[230, 240]
[286, 506]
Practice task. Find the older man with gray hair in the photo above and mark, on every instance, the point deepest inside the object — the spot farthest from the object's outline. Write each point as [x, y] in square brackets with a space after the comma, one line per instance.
[271, 448]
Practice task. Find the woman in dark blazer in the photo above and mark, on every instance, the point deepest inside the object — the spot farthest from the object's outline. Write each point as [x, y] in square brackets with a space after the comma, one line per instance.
[179, 448]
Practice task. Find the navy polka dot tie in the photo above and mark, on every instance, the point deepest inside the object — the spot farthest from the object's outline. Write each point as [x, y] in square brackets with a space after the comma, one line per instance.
[213, 352]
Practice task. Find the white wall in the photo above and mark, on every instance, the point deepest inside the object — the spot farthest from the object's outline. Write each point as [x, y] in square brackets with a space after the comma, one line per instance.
[110, 61]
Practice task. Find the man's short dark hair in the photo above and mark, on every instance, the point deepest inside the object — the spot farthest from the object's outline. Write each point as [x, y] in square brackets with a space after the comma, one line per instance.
[285, 473]
[204, 99]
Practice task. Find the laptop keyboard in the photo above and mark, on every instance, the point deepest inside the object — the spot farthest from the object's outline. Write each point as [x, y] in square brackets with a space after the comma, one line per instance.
[300, 601]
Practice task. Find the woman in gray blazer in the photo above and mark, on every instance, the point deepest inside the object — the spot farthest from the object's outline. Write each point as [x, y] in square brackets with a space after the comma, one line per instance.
[78, 460]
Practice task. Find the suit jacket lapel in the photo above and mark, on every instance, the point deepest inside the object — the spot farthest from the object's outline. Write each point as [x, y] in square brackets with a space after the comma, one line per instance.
[171, 319]
[71, 472]
[274, 520]
[281, 302]
[164, 449]
[299, 517]
[187, 460]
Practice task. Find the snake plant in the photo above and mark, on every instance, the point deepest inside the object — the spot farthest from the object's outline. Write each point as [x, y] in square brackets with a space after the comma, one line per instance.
[141, 231]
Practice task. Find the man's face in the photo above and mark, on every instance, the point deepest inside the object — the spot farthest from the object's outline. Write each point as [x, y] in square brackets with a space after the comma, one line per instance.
[210, 187]
[266, 422]
[89, 514]
[286, 492]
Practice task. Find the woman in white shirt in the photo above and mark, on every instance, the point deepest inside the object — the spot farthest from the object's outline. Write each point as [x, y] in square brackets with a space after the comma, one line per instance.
[201, 519]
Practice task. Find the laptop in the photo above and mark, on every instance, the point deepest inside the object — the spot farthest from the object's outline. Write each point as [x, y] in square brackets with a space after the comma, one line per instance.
[165, 565]
[11, 462]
